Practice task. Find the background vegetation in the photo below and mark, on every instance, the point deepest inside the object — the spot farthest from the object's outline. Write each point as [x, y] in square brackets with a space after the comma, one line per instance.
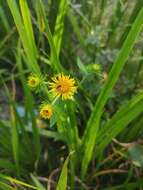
[95, 141]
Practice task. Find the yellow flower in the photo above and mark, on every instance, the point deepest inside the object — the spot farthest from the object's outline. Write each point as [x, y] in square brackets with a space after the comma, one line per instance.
[33, 81]
[64, 86]
[46, 111]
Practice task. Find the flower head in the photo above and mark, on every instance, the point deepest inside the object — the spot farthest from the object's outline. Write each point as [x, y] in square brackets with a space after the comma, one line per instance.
[64, 86]
[33, 81]
[46, 111]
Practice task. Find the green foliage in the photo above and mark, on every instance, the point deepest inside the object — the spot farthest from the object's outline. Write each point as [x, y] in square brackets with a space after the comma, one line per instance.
[93, 123]
[97, 43]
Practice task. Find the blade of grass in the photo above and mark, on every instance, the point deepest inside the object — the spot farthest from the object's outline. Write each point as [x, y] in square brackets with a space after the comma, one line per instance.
[59, 26]
[24, 35]
[62, 183]
[120, 120]
[93, 122]
[19, 182]
[28, 25]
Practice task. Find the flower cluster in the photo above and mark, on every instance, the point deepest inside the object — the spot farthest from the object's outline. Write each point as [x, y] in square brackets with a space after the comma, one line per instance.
[61, 86]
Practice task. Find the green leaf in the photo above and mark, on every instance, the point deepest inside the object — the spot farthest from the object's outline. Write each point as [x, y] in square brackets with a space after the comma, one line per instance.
[62, 183]
[28, 24]
[12, 180]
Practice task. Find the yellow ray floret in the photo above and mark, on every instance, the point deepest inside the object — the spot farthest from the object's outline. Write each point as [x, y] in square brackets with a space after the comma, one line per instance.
[33, 81]
[46, 111]
[64, 86]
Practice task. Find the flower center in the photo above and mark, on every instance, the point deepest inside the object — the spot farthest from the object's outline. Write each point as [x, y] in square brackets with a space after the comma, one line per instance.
[33, 81]
[63, 88]
[45, 112]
